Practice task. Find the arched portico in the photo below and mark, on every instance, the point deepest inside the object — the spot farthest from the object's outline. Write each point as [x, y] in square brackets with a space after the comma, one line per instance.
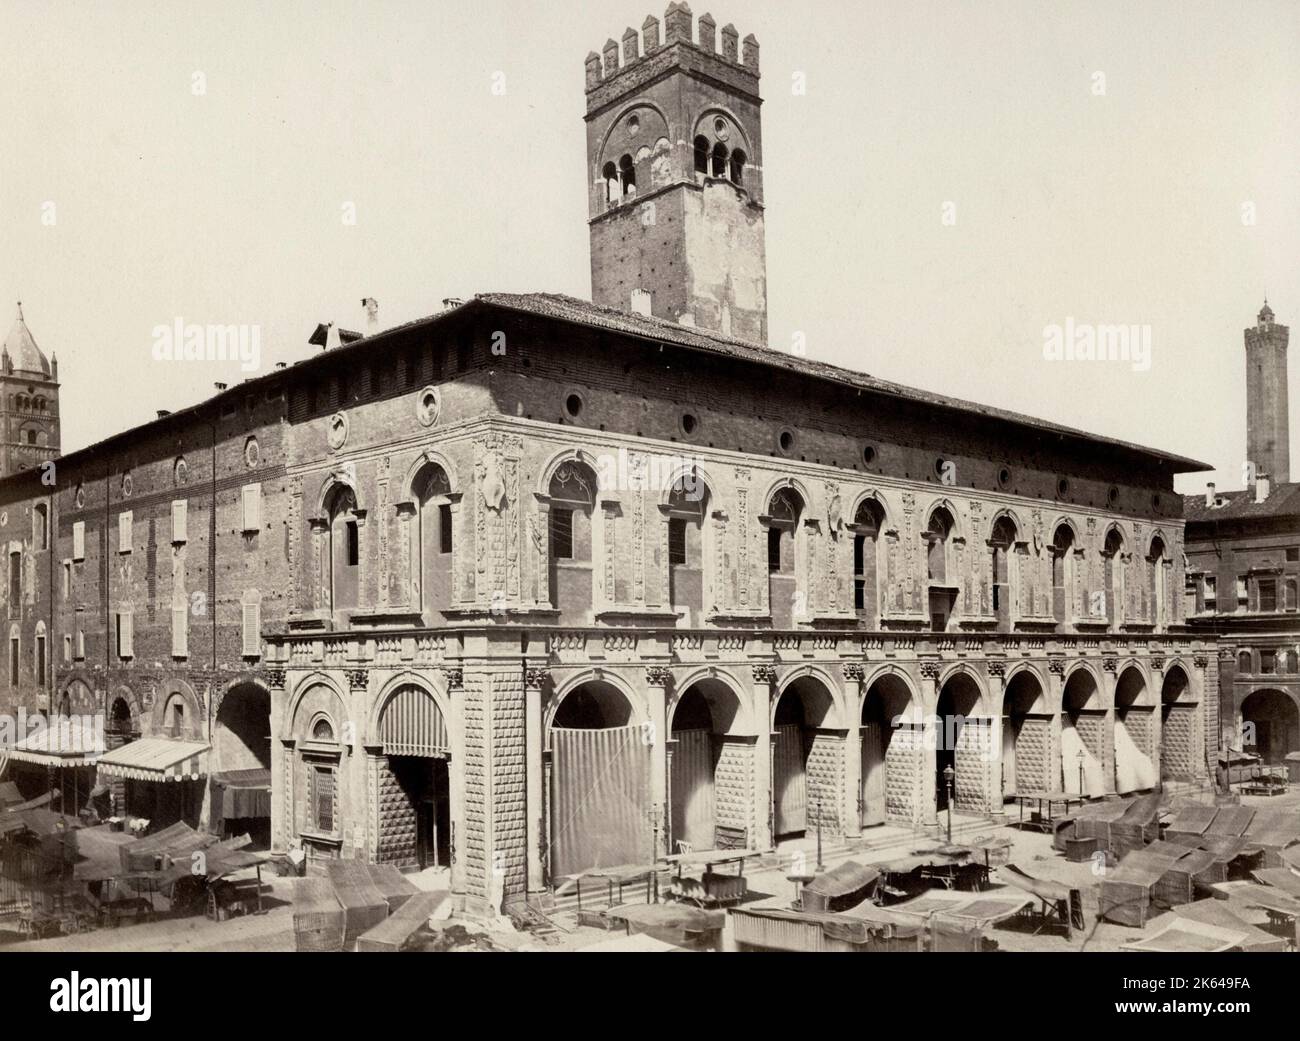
[1135, 732]
[1181, 757]
[1270, 718]
[598, 778]
[807, 747]
[892, 751]
[1083, 734]
[964, 742]
[708, 758]
[1026, 735]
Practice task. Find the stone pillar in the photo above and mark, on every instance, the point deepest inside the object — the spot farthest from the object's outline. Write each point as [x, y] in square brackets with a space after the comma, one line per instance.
[1108, 786]
[851, 813]
[406, 587]
[1055, 693]
[764, 676]
[928, 795]
[1204, 723]
[534, 676]
[494, 846]
[997, 783]
[657, 679]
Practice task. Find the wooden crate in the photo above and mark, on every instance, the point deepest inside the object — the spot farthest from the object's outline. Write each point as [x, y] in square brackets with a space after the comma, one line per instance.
[317, 916]
[393, 933]
[364, 906]
[392, 885]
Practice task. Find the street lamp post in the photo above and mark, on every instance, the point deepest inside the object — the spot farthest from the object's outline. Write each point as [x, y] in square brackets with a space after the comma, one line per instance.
[1082, 793]
[948, 783]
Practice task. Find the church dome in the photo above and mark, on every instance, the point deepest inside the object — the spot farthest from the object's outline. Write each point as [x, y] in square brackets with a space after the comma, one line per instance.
[21, 350]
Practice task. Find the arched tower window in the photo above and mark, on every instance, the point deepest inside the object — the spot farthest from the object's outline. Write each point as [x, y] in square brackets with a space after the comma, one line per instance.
[738, 167]
[701, 155]
[612, 189]
[627, 176]
[784, 513]
[687, 507]
[719, 160]
[936, 534]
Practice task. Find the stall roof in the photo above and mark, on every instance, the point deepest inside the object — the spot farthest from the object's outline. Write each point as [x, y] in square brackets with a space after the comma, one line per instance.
[846, 878]
[156, 759]
[59, 745]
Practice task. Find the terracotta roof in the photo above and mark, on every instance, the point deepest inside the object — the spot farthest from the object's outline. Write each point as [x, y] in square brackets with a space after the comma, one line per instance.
[21, 347]
[567, 308]
[1283, 500]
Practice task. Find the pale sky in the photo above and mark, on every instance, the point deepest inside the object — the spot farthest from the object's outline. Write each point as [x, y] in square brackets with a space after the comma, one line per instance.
[226, 206]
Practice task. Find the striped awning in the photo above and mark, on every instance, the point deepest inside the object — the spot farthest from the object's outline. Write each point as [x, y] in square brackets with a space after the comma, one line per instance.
[156, 759]
[412, 724]
[64, 742]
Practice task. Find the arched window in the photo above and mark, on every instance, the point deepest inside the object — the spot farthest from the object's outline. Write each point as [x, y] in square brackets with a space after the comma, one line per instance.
[719, 160]
[1290, 593]
[1062, 573]
[784, 511]
[1001, 541]
[627, 176]
[701, 155]
[41, 526]
[613, 192]
[436, 537]
[686, 510]
[39, 653]
[322, 730]
[936, 535]
[573, 501]
[1112, 563]
[1156, 588]
[737, 167]
[344, 548]
[867, 525]
[1245, 665]
[15, 649]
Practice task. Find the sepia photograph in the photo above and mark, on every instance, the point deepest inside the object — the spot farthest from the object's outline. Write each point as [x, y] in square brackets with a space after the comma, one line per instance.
[586, 477]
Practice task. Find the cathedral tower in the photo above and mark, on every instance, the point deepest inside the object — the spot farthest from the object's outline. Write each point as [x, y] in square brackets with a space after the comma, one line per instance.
[675, 168]
[29, 402]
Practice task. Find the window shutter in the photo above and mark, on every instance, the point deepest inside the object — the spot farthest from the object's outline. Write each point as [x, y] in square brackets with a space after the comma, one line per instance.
[252, 626]
[125, 622]
[124, 532]
[79, 540]
[81, 644]
[180, 631]
[252, 507]
[67, 649]
[179, 509]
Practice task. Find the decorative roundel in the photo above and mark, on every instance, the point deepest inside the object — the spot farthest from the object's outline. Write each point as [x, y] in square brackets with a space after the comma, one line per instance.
[127, 484]
[633, 125]
[336, 431]
[252, 452]
[721, 129]
[428, 406]
[4, 519]
[80, 497]
[182, 471]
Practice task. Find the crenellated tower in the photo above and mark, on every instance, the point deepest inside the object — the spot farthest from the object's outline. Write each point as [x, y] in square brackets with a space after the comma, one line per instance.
[675, 163]
[1268, 432]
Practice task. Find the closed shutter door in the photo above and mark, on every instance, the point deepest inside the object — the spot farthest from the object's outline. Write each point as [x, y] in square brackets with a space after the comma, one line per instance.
[789, 787]
[252, 630]
[180, 632]
[693, 795]
[600, 787]
[873, 774]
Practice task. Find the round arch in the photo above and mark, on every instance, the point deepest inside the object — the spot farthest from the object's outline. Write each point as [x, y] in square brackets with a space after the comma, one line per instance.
[1125, 540]
[831, 714]
[168, 694]
[429, 457]
[617, 121]
[1271, 717]
[1148, 541]
[872, 495]
[694, 472]
[334, 481]
[715, 109]
[959, 525]
[788, 481]
[408, 678]
[1135, 733]
[1076, 535]
[612, 681]
[309, 684]
[743, 720]
[557, 460]
[978, 682]
[1010, 516]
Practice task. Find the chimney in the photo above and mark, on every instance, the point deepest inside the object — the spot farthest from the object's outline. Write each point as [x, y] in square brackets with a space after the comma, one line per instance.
[163, 413]
[220, 386]
[1209, 495]
[641, 301]
[325, 335]
[1261, 487]
[448, 302]
[282, 365]
[372, 313]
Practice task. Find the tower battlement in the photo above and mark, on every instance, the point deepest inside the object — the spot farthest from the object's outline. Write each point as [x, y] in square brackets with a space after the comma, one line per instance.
[721, 48]
[1268, 430]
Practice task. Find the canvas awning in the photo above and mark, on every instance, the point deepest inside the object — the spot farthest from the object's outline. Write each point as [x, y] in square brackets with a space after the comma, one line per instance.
[156, 759]
[61, 744]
